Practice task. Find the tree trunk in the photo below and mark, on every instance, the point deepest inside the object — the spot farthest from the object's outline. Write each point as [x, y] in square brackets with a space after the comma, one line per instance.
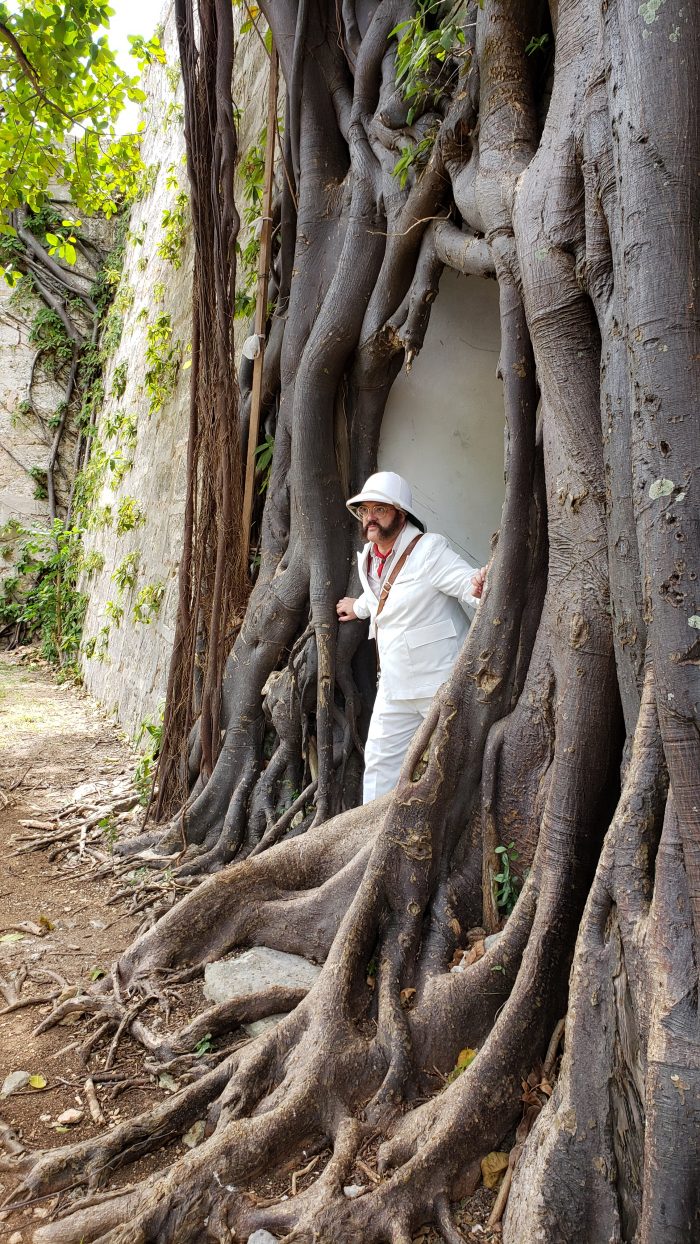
[569, 726]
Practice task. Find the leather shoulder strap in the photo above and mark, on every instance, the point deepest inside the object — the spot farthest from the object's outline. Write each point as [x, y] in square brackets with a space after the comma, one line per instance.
[396, 570]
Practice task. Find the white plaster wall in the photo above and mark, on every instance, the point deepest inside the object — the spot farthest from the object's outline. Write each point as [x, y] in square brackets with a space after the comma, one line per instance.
[444, 421]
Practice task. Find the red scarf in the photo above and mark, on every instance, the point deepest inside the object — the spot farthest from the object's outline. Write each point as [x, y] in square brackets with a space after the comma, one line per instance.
[381, 558]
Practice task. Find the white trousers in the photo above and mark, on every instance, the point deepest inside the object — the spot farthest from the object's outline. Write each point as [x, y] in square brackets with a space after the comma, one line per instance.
[393, 725]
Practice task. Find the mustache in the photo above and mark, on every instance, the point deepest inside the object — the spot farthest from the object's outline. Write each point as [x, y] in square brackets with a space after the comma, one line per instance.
[384, 530]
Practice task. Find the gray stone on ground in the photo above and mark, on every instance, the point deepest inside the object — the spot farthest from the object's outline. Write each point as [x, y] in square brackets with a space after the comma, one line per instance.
[261, 1025]
[256, 969]
[492, 939]
[262, 1237]
[14, 1082]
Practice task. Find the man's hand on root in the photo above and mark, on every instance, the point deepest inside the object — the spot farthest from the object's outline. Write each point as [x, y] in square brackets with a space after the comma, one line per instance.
[345, 610]
[478, 582]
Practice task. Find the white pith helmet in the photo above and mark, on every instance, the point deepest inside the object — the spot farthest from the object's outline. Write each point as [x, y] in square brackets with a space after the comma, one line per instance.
[389, 488]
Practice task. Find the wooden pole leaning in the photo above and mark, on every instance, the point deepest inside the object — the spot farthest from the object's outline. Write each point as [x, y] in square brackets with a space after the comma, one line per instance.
[261, 296]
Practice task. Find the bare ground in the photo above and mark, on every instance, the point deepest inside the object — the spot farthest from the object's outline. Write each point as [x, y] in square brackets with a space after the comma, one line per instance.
[63, 921]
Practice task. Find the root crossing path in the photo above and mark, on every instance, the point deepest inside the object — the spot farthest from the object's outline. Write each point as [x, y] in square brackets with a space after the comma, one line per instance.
[68, 910]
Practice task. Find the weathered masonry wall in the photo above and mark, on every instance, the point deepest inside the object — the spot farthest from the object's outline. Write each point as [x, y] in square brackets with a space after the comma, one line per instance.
[125, 660]
[25, 440]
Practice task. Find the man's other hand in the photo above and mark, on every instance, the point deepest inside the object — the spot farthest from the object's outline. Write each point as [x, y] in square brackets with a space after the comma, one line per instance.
[345, 610]
[478, 582]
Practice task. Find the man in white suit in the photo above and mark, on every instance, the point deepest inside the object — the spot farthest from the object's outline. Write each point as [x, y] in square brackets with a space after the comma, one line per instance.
[415, 593]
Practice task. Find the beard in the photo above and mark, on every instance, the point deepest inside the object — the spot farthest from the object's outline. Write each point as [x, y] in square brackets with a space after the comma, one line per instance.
[385, 531]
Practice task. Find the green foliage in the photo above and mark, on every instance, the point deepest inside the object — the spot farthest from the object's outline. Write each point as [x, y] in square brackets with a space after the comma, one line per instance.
[110, 833]
[48, 333]
[506, 883]
[129, 515]
[174, 115]
[162, 361]
[413, 154]
[537, 44]
[148, 602]
[92, 562]
[174, 225]
[115, 612]
[151, 731]
[126, 572]
[40, 476]
[424, 43]
[62, 92]
[251, 172]
[42, 593]
[205, 1046]
[63, 242]
[173, 76]
[119, 423]
[112, 334]
[263, 462]
[119, 379]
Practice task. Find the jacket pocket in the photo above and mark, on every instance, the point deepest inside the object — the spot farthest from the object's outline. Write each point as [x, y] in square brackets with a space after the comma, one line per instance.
[419, 636]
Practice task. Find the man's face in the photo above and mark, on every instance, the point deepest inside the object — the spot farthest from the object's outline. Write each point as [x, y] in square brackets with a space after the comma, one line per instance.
[381, 522]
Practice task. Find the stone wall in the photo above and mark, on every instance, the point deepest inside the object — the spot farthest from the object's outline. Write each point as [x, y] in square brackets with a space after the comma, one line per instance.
[126, 665]
[25, 439]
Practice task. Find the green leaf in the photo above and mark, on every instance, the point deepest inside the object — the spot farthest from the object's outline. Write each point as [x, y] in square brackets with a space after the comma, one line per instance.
[12, 937]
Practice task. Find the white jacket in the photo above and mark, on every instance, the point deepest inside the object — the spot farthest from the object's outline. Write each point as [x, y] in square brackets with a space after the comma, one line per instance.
[423, 623]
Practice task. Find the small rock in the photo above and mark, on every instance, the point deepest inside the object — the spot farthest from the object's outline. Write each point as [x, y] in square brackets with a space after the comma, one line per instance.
[353, 1190]
[261, 1025]
[196, 1134]
[70, 1118]
[492, 939]
[262, 1237]
[14, 1082]
[256, 969]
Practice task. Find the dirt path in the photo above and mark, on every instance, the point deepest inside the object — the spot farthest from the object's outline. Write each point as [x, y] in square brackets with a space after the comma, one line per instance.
[62, 923]
[56, 745]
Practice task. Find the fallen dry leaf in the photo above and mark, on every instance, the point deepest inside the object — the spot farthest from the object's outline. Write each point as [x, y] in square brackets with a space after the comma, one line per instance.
[493, 1168]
